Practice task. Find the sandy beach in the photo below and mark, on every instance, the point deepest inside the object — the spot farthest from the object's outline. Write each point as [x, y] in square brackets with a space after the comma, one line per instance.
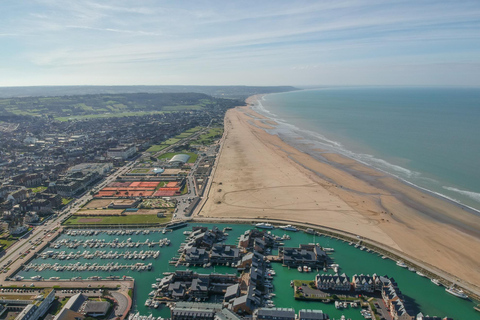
[260, 176]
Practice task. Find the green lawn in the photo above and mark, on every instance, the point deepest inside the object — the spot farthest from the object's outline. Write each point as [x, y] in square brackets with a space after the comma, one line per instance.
[109, 115]
[66, 201]
[169, 155]
[38, 189]
[196, 129]
[209, 137]
[157, 147]
[6, 243]
[123, 219]
[171, 141]
[184, 190]
[140, 170]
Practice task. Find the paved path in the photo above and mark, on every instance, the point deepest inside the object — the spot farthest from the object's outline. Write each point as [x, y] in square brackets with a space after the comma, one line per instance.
[123, 305]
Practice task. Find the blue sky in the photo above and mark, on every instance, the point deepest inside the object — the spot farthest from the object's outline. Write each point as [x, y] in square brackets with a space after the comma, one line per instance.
[62, 42]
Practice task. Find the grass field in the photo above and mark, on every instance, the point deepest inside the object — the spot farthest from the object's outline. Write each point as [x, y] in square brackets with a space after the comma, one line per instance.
[66, 201]
[6, 243]
[157, 147]
[38, 189]
[209, 137]
[169, 155]
[109, 115]
[140, 170]
[171, 141]
[123, 219]
[196, 129]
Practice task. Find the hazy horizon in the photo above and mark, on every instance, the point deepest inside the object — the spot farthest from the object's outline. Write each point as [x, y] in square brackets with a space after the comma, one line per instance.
[300, 43]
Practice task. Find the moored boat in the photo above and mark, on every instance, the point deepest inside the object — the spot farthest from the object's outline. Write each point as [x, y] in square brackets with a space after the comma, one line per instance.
[262, 225]
[420, 274]
[402, 264]
[435, 281]
[456, 292]
[288, 228]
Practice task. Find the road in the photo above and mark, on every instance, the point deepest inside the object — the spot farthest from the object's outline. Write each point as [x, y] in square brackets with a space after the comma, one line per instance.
[39, 234]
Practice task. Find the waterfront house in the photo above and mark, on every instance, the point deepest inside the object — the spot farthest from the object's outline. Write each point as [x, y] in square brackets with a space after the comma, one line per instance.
[274, 314]
[312, 315]
[306, 255]
[363, 283]
[223, 254]
[333, 282]
[196, 256]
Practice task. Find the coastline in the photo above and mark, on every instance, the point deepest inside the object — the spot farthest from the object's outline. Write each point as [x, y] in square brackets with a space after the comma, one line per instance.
[260, 176]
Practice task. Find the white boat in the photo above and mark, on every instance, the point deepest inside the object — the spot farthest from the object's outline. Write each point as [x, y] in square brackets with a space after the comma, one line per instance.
[264, 225]
[289, 228]
[401, 264]
[420, 274]
[411, 269]
[36, 278]
[456, 292]
[305, 269]
[436, 282]
[299, 269]
[328, 249]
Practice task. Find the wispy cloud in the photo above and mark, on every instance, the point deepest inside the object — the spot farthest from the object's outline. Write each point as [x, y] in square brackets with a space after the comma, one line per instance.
[178, 37]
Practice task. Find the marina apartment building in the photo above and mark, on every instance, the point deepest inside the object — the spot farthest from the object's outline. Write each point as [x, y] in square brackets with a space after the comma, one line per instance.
[37, 308]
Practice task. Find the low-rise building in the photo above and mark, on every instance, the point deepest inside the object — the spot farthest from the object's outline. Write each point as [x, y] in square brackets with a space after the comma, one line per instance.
[306, 255]
[274, 314]
[305, 314]
[333, 282]
[363, 283]
[122, 152]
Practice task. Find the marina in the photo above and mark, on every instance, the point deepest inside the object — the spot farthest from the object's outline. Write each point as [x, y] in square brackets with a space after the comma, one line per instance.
[429, 298]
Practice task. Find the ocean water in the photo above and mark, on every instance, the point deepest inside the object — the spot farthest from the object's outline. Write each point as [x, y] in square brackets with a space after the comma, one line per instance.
[429, 137]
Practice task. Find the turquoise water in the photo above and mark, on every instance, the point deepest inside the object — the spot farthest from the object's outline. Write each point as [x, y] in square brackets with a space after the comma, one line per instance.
[427, 136]
[425, 296]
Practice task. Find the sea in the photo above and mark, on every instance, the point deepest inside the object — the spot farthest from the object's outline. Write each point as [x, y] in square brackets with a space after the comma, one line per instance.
[420, 293]
[428, 137]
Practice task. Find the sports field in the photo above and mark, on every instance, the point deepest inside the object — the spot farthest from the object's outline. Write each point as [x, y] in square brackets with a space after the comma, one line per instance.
[123, 219]
[98, 203]
[99, 212]
[169, 155]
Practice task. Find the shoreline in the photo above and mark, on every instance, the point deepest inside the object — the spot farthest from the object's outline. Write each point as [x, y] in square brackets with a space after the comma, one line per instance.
[348, 196]
[253, 103]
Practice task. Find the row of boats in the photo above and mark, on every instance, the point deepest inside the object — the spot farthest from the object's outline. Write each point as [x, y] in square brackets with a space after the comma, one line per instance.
[452, 289]
[120, 232]
[344, 304]
[139, 266]
[263, 225]
[137, 316]
[150, 303]
[62, 255]
[95, 278]
[101, 243]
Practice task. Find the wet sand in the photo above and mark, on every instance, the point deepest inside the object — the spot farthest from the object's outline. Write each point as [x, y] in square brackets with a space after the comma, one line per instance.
[260, 176]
